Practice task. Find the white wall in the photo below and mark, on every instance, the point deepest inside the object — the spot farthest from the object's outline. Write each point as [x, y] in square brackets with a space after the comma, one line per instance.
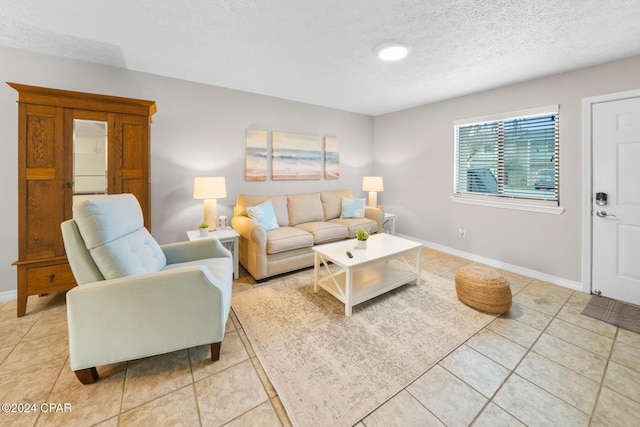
[414, 152]
[198, 130]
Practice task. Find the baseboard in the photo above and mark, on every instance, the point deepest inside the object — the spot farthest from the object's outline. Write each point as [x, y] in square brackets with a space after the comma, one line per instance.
[576, 286]
[8, 296]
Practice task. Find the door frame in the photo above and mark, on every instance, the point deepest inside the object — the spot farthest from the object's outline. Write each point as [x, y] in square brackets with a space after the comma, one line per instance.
[587, 178]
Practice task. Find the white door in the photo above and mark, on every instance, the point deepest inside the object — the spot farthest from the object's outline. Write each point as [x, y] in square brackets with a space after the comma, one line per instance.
[616, 222]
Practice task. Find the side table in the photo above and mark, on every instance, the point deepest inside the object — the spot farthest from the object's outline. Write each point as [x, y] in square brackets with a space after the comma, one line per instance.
[389, 223]
[229, 239]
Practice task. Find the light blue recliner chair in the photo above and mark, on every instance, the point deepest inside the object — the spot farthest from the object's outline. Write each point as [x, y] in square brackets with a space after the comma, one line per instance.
[136, 298]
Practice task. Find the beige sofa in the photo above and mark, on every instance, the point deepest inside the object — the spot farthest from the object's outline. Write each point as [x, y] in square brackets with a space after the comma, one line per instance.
[304, 220]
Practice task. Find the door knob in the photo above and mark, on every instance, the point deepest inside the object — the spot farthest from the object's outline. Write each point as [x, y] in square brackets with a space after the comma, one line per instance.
[603, 214]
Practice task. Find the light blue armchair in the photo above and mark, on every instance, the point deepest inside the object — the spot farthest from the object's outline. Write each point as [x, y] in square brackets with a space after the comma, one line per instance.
[136, 298]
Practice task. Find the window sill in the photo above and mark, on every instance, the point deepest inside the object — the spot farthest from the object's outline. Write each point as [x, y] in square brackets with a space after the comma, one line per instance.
[517, 205]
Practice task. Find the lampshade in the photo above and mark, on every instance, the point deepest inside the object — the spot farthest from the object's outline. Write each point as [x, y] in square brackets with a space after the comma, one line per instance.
[209, 187]
[372, 183]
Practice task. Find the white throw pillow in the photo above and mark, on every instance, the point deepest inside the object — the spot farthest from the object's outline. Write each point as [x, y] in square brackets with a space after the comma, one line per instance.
[265, 215]
[352, 208]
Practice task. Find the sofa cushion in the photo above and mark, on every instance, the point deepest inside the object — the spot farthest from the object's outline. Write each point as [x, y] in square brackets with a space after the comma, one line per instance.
[279, 206]
[304, 208]
[324, 232]
[95, 218]
[352, 208]
[287, 238]
[332, 203]
[352, 224]
[264, 214]
[113, 231]
[134, 253]
[246, 200]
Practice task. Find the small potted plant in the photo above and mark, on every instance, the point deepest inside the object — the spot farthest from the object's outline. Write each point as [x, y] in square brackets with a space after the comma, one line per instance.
[362, 235]
[204, 229]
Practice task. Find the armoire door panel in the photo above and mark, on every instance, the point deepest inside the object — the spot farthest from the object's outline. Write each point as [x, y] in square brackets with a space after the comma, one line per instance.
[135, 155]
[44, 212]
[129, 159]
[128, 174]
[40, 174]
[41, 210]
[41, 130]
[140, 189]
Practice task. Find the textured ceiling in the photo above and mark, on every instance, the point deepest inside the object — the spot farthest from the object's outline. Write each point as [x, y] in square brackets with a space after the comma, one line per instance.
[321, 52]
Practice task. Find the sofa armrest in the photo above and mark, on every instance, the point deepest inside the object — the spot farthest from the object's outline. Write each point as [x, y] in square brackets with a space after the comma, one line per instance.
[194, 250]
[250, 229]
[138, 316]
[375, 214]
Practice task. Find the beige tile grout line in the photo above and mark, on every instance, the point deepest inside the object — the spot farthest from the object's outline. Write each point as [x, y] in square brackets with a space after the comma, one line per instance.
[604, 373]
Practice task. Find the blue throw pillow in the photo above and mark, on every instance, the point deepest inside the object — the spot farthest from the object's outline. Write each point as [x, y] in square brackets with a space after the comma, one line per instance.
[352, 208]
[265, 215]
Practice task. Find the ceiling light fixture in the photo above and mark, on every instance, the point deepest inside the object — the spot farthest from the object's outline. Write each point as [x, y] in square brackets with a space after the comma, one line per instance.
[392, 51]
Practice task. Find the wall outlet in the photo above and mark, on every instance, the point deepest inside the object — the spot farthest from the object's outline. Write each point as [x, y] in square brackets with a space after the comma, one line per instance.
[461, 232]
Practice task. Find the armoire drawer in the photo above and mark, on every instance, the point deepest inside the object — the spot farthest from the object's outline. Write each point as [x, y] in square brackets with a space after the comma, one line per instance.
[50, 278]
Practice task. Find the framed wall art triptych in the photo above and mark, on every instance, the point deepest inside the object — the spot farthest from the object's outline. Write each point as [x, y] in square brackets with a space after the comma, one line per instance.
[294, 156]
[331, 158]
[256, 160]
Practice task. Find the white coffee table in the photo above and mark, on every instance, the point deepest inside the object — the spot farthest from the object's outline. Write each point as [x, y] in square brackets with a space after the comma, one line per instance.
[369, 273]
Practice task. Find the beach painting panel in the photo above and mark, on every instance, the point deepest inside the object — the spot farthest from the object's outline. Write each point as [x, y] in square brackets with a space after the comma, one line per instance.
[295, 156]
[256, 163]
[331, 158]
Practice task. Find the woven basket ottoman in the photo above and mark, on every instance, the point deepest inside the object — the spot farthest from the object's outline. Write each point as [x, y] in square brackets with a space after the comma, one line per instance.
[483, 288]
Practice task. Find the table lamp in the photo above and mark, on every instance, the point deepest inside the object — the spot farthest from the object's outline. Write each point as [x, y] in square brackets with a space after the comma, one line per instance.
[210, 188]
[372, 184]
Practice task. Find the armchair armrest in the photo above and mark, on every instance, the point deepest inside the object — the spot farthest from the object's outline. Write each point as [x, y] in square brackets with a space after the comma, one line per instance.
[250, 229]
[375, 214]
[194, 250]
[138, 316]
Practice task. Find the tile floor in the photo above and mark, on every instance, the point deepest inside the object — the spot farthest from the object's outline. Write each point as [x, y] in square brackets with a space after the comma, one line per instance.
[540, 364]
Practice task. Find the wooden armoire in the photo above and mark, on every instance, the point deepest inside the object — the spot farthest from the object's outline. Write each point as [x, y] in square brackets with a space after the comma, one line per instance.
[46, 174]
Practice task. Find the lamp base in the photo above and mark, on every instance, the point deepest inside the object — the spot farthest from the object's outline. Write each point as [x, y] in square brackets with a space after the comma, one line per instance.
[210, 215]
[373, 198]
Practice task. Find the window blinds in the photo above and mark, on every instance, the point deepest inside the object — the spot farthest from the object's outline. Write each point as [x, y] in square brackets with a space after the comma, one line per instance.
[509, 157]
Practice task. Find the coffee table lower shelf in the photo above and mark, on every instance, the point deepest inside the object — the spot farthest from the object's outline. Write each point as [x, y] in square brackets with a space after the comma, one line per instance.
[366, 283]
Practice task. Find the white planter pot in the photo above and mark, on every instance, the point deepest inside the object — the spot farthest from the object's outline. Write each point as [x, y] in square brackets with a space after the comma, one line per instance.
[204, 232]
[361, 244]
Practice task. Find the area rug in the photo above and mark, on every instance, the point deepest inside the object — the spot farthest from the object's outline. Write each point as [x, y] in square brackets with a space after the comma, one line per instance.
[617, 313]
[332, 370]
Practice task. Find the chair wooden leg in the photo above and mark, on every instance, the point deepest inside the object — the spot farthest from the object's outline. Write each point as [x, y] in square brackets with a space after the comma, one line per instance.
[215, 351]
[87, 375]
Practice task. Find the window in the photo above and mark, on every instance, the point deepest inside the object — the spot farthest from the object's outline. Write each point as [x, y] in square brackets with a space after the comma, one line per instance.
[509, 158]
